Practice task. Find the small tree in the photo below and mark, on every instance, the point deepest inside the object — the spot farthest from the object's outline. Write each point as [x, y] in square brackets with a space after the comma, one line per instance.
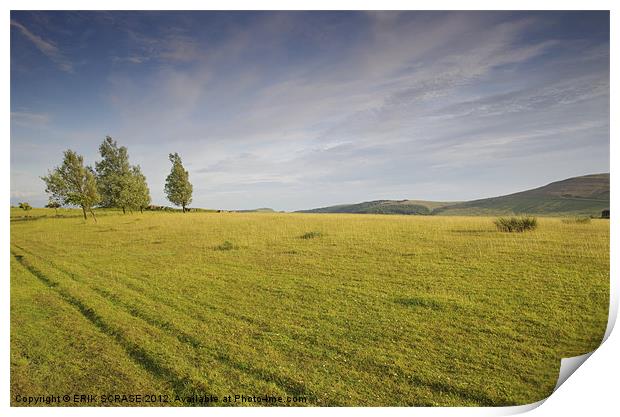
[136, 195]
[73, 184]
[113, 174]
[178, 188]
[54, 204]
[25, 206]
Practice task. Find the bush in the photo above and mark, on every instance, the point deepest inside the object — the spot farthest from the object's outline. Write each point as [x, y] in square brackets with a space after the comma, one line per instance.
[25, 206]
[577, 220]
[311, 235]
[516, 224]
[153, 207]
[226, 246]
[53, 204]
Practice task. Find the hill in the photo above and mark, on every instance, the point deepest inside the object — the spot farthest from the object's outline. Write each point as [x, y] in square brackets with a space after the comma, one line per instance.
[579, 196]
[383, 207]
[257, 210]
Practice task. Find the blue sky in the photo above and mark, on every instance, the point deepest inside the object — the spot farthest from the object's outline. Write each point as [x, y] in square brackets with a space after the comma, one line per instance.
[305, 109]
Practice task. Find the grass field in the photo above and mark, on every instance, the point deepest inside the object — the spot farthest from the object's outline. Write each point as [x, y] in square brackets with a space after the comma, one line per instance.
[367, 310]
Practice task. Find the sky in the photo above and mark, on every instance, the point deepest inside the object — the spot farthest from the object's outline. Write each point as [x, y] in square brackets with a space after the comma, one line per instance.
[296, 110]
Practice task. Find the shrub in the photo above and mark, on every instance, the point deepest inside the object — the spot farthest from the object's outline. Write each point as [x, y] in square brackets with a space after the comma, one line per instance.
[53, 204]
[577, 220]
[153, 207]
[516, 224]
[226, 246]
[25, 206]
[311, 235]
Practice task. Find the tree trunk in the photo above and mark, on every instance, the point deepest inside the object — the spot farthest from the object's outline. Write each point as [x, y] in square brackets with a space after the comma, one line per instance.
[183, 208]
[141, 210]
[84, 211]
[123, 210]
[93, 214]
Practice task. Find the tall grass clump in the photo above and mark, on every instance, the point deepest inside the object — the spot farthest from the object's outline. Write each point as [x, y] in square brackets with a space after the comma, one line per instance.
[311, 235]
[227, 245]
[516, 224]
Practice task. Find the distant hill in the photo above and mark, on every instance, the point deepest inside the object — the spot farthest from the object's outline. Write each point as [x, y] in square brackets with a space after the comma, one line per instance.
[258, 210]
[586, 195]
[579, 196]
[383, 207]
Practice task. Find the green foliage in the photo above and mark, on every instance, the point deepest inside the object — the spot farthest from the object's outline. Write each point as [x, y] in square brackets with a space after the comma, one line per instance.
[113, 174]
[53, 204]
[25, 206]
[178, 189]
[120, 184]
[152, 207]
[516, 224]
[311, 235]
[72, 183]
[389, 310]
[136, 194]
[422, 302]
[227, 245]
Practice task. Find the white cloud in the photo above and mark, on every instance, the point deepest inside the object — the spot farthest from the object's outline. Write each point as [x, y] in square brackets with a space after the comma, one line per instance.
[29, 119]
[47, 47]
[24, 194]
[280, 108]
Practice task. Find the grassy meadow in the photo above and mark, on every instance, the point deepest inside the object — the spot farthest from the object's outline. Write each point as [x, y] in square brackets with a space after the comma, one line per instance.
[344, 310]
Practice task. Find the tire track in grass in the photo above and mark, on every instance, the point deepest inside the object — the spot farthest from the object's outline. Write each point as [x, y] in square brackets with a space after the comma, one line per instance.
[136, 312]
[290, 385]
[179, 385]
[293, 387]
[285, 383]
[132, 310]
[471, 395]
[139, 291]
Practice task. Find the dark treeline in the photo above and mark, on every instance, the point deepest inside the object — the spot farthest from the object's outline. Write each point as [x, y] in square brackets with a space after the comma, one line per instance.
[113, 183]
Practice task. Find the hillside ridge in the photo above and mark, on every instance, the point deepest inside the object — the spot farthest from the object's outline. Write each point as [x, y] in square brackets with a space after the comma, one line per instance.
[584, 195]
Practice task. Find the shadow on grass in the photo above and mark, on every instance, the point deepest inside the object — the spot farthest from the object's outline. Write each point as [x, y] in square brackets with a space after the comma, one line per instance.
[422, 302]
[182, 386]
[227, 245]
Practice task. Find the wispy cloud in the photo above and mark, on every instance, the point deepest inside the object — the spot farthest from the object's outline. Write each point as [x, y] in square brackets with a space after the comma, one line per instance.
[29, 119]
[47, 47]
[172, 46]
[23, 194]
[293, 110]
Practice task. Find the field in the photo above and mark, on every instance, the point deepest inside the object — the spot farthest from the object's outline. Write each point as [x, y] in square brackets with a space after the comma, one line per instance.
[338, 309]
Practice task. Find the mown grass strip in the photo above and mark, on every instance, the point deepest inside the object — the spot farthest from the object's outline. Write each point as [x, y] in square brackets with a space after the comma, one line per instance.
[182, 386]
[137, 353]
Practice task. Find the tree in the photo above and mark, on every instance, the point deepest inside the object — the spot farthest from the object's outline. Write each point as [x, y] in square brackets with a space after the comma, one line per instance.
[25, 206]
[73, 184]
[113, 174]
[136, 194]
[178, 189]
[53, 204]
